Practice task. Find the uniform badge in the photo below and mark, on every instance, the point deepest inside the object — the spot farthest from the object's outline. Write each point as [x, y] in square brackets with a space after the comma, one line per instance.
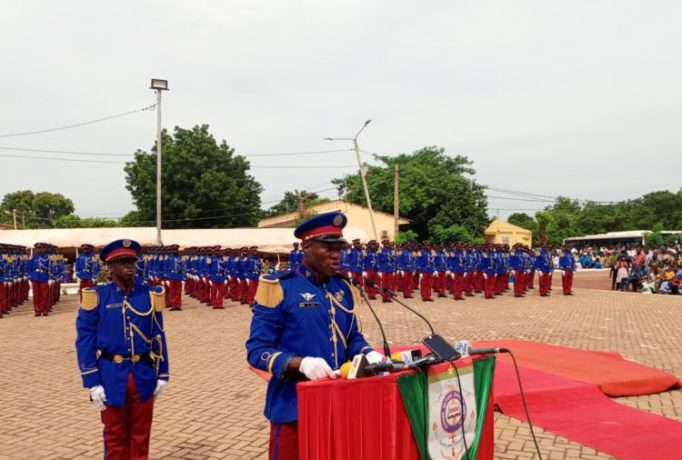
[126, 243]
[338, 220]
[308, 297]
[339, 296]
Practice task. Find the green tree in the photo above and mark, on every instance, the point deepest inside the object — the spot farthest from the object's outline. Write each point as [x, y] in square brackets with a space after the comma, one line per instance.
[289, 203]
[204, 183]
[545, 220]
[37, 210]
[437, 192]
[408, 236]
[523, 220]
[74, 221]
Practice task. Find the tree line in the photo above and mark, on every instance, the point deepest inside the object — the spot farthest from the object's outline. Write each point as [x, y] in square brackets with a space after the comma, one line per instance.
[207, 184]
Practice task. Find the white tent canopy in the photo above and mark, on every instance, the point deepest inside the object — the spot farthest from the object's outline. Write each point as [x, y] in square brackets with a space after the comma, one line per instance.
[270, 240]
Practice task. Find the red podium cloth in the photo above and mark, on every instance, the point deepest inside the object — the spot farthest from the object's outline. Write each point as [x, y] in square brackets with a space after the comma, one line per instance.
[363, 419]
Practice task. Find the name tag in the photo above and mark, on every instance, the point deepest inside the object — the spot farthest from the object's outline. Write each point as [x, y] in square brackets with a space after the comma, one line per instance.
[114, 305]
[309, 304]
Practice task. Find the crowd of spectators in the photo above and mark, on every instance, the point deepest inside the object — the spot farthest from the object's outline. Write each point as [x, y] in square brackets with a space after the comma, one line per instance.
[636, 268]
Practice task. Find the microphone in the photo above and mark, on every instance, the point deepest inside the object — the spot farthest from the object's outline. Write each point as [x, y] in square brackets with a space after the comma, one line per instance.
[387, 349]
[487, 351]
[434, 342]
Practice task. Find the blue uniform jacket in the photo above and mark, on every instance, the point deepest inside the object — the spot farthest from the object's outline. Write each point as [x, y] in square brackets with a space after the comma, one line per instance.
[385, 259]
[39, 267]
[406, 261]
[112, 322]
[567, 262]
[216, 269]
[254, 267]
[457, 262]
[371, 262]
[174, 268]
[87, 267]
[356, 259]
[295, 316]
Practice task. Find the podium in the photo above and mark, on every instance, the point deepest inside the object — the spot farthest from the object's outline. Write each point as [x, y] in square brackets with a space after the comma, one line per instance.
[365, 419]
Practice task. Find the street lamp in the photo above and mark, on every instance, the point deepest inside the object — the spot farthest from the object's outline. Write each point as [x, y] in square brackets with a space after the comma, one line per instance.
[159, 86]
[363, 171]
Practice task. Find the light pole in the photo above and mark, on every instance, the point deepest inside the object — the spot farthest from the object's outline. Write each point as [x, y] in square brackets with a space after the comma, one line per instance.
[158, 86]
[363, 172]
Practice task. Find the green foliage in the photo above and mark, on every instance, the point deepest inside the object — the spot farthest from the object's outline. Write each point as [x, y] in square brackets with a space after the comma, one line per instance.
[408, 236]
[436, 193]
[523, 220]
[656, 211]
[289, 203]
[453, 233]
[38, 210]
[204, 183]
[132, 219]
[74, 221]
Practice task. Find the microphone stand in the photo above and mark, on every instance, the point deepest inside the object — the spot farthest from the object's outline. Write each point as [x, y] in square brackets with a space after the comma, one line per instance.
[387, 349]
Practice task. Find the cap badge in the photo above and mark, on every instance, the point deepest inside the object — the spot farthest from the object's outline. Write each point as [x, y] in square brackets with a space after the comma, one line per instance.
[126, 243]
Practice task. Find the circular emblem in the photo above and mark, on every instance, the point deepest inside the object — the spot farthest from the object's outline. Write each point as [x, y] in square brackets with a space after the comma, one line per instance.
[451, 414]
[126, 243]
[338, 220]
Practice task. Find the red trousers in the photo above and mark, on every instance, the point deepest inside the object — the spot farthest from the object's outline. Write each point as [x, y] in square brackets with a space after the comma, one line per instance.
[567, 281]
[458, 285]
[233, 288]
[519, 285]
[217, 294]
[358, 276]
[544, 282]
[283, 441]
[478, 281]
[243, 290]
[41, 297]
[251, 291]
[439, 283]
[175, 293]
[4, 304]
[407, 281]
[388, 282]
[372, 291]
[489, 286]
[427, 283]
[531, 279]
[127, 429]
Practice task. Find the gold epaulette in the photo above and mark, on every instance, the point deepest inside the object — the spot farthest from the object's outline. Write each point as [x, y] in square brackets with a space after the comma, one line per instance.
[90, 299]
[158, 299]
[269, 293]
[357, 299]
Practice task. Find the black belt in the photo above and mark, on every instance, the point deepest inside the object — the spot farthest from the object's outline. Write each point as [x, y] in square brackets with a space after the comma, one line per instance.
[118, 359]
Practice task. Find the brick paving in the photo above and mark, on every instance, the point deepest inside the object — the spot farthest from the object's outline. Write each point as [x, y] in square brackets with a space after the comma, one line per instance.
[212, 407]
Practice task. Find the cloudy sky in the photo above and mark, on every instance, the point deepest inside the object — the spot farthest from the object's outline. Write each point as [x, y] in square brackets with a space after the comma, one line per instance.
[578, 98]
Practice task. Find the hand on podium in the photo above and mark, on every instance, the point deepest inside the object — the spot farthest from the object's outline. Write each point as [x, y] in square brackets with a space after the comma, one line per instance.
[315, 368]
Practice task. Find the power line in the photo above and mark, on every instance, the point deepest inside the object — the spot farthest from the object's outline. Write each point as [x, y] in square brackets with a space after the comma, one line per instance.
[6, 155]
[76, 125]
[66, 152]
[296, 153]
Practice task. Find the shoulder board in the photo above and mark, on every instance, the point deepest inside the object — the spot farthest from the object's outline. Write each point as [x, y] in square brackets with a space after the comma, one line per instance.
[90, 299]
[281, 275]
[269, 293]
[158, 299]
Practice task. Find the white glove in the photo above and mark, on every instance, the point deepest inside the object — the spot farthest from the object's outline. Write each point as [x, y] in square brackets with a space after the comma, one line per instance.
[448, 272]
[364, 274]
[160, 385]
[315, 368]
[485, 277]
[374, 357]
[210, 283]
[98, 396]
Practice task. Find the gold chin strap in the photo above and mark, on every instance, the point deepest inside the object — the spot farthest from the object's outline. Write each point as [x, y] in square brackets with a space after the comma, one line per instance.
[127, 306]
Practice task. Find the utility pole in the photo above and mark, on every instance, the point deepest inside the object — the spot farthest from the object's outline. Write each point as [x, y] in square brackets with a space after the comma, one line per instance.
[14, 216]
[396, 201]
[363, 172]
[23, 221]
[159, 86]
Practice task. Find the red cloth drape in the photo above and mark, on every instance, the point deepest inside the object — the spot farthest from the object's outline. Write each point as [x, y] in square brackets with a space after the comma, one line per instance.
[363, 419]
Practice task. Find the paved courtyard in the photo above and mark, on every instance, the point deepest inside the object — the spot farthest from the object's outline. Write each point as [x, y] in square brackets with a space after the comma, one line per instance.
[212, 407]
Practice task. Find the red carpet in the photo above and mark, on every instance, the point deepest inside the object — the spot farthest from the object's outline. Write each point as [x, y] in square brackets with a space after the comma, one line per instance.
[613, 375]
[580, 412]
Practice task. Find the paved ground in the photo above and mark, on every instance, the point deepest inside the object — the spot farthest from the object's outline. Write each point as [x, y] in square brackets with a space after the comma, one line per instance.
[212, 407]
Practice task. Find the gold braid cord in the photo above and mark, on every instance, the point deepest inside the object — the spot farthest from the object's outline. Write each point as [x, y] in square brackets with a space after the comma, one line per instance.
[269, 293]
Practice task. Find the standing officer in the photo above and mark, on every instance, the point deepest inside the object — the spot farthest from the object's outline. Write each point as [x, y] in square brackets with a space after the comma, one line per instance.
[356, 265]
[122, 354]
[489, 269]
[174, 269]
[344, 263]
[87, 267]
[386, 259]
[295, 257]
[543, 263]
[304, 326]
[440, 262]
[458, 269]
[406, 265]
[39, 269]
[567, 265]
[4, 282]
[217, 279]
[371, 265]
[426, 268]
[254, 268]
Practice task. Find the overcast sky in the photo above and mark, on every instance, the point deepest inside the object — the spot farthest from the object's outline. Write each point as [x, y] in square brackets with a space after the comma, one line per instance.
[578, 98]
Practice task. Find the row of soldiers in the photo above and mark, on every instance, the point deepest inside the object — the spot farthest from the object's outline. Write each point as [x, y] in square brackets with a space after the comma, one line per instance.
[43, 270]
[462, 269]
[211, 274]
